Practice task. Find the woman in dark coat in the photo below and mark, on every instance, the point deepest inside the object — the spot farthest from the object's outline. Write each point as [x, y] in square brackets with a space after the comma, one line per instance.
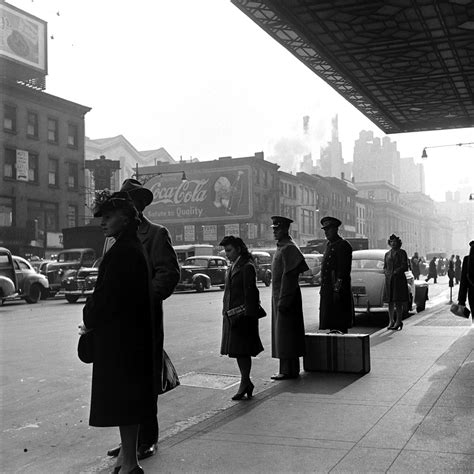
[396, 287]
[119, 314]
[432, 271]
[241, 339]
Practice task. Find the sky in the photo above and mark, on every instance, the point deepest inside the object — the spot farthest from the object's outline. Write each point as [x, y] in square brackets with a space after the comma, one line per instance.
[200, 79]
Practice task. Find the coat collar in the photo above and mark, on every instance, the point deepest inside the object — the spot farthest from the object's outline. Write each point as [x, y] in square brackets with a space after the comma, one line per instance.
[144, 227]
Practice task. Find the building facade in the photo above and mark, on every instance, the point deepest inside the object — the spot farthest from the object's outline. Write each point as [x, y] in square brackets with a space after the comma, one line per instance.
[41, 169]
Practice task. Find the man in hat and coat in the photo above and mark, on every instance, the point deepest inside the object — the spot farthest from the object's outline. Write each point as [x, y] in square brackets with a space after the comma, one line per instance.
[466, 287]
[165, 273]
[288, 337]
[336, 308]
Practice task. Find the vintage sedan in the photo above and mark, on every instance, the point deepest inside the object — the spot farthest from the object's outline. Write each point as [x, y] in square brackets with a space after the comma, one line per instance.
[368, 282]
[200, 273]
[313, 275]
[80, 283]
[263, 266]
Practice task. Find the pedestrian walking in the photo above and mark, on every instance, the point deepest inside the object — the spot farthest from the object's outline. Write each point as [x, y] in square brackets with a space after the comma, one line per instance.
[164, 273]
[415, 266]
[396, 287]
[240, 337]
[119, 313]
[432, 272]
[288, 337]
[457, 269]
[466, 285]
[336, 307]
[451, 272]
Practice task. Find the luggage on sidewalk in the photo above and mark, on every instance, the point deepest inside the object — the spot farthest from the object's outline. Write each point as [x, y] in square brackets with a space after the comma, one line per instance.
[337, 353]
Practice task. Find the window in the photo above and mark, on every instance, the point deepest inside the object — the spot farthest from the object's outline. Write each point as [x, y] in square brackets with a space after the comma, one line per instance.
[6, 212]
[72, 135]
[9, 118]
[46, 214]
[9, 166]
[72, 216]
[52, 130]
[53, 166]
[32, 125]
[72, 176]
[32, 167]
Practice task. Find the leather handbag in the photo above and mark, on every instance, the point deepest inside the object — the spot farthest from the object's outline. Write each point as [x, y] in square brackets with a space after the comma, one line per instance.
[238, 313]
[85, 347]
[170, 379]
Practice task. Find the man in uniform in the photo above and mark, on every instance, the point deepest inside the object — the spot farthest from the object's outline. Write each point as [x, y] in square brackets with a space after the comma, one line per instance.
[336, 309]
[165, 273]
[288, 342]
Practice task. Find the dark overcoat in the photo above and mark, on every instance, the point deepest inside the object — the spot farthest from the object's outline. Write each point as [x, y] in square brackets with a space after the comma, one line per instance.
[336, 309]
[241, 289]
[396, 287]
[432, 271]
[288, 339]
[466, 284]
[164, 271]
[119, 313]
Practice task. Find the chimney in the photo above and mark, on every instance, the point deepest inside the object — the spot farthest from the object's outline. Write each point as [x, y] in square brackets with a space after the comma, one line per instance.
[259, 155]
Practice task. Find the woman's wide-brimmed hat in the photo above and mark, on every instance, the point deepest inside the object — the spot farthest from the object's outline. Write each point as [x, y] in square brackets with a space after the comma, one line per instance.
[118, 200]
[136, 190]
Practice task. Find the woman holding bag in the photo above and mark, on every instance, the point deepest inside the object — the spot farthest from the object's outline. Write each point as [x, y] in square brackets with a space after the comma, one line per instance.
[118, 314]
[240, 336]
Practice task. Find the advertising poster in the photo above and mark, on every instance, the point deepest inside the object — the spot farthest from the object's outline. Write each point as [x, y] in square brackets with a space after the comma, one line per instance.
[232, 229]
[209, 232]
[189, 233]
[22, 165]
[22, 37]
[252, 231]
[207, 195]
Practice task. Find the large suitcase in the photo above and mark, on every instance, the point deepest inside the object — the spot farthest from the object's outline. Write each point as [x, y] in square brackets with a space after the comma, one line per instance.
[337, 353]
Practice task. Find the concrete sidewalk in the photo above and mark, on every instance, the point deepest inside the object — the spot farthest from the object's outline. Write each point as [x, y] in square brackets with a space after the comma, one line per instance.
[412, 413]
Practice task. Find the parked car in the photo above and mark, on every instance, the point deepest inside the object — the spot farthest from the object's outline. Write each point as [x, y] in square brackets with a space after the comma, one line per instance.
[368, 282]
[43, 266]
[80, 283]
[313, 275]
[263, 266]
[8, 283]
[70, 259]
[200, 273]
[19, 279]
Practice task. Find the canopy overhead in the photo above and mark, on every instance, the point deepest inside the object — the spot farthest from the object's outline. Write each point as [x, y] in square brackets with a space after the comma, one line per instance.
[408, 65]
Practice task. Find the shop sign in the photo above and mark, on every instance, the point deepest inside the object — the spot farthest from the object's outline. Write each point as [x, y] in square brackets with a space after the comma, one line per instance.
[220, 194]
[22, 165]
[232, 229]
[209, 232]
[189, 233]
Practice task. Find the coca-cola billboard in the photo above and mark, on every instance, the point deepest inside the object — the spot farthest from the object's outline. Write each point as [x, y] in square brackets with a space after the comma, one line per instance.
[207, 195]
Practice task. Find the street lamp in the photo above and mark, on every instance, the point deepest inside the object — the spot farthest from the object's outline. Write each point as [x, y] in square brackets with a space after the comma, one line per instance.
[424, 155]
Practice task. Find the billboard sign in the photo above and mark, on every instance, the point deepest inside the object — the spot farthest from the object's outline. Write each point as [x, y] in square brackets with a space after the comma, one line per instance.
[22, 37]
[219, 194]
[22, 165]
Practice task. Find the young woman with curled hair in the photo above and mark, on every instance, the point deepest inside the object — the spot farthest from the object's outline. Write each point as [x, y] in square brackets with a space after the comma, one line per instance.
[240, 338]
[119, 315]
[396, 287]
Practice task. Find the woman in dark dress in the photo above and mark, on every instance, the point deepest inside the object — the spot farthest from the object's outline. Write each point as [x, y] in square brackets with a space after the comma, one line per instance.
[241, 339]
[396, 286]
[119, 314]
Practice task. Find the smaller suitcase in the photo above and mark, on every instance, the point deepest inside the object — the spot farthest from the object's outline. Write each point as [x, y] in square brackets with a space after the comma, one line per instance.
[337, 353]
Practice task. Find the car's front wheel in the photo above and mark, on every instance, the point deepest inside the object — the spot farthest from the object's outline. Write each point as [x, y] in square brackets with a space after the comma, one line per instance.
[34, 294]
[199, 286]
[72, 298]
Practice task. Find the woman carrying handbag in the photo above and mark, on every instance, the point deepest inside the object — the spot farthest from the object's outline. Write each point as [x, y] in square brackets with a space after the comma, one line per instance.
[241, 311]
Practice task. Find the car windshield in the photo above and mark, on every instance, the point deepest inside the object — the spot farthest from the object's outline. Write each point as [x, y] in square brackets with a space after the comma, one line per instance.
[69, 257]
[5, 261]
[367, 264]
[263, 259]
[198, 262]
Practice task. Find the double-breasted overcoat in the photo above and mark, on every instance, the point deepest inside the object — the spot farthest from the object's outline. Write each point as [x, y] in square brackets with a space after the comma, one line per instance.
[119, 314]
[336, 308]
[287, 309]
[241, 289]
[395, 266]
[164, 271]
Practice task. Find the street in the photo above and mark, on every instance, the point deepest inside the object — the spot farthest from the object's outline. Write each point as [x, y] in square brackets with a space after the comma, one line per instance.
[46, 389]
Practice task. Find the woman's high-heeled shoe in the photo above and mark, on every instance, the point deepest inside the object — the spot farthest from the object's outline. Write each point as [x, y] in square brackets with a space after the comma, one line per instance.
[248, 390]
[398, 327]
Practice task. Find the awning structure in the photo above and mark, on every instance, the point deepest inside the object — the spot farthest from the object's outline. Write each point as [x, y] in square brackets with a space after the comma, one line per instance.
[408, 65]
